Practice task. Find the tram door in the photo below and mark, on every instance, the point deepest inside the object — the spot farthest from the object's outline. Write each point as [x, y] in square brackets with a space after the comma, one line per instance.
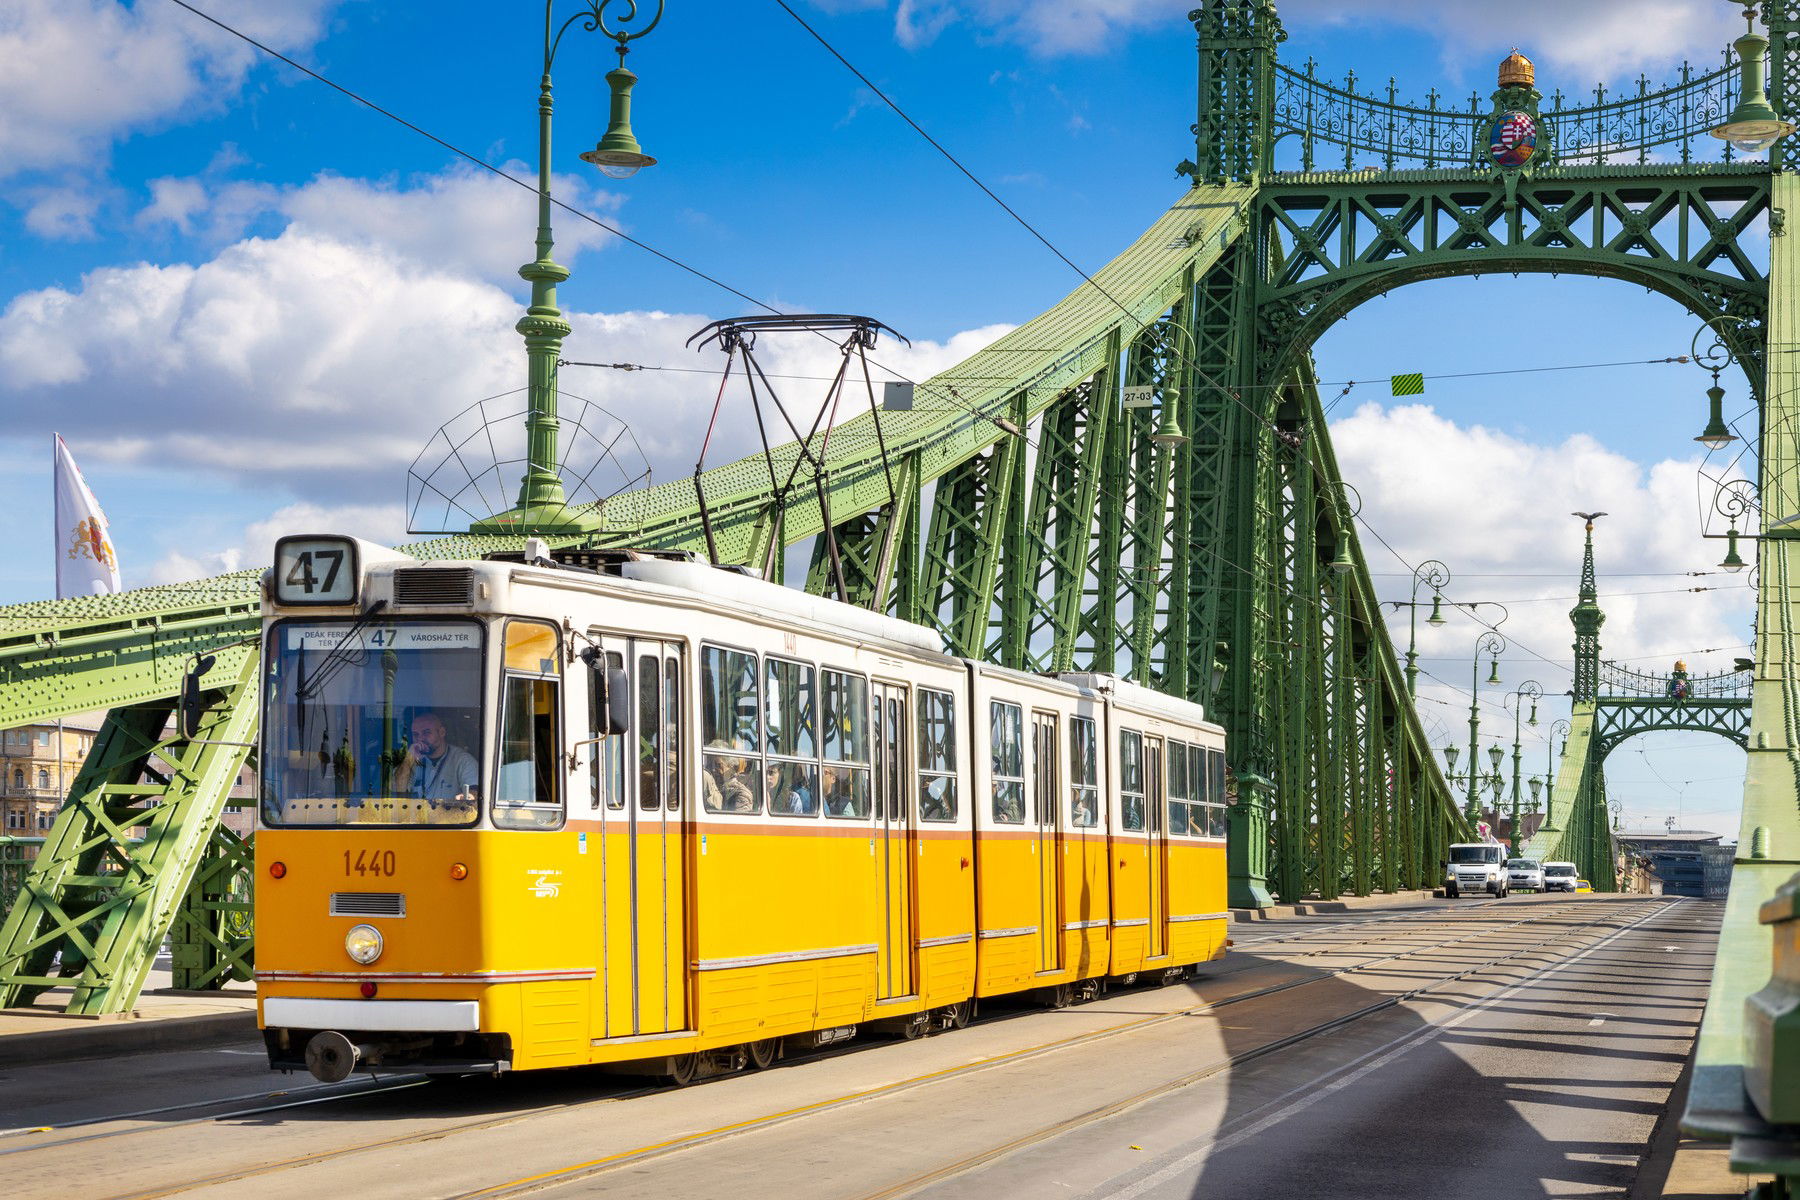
[646, 918]
[1158, 825]
[893, 845]
[1046, 802]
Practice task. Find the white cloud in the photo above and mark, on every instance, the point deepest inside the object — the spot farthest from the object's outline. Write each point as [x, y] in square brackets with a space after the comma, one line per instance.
[319, 361]
[381, 523]
[83, 73]
[1501, 506]
[1584, 39]
[453, 221]
[62, 213]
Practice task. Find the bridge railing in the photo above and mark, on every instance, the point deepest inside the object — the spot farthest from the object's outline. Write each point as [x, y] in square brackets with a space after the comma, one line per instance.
[1622, 681]
[1641, 126]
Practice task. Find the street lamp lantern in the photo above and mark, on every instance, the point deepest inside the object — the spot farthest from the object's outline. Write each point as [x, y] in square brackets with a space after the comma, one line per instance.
[1451, 754]
[1733, 562]
[618, 154]
[1537, 789]
[1494, 671]
[1754, 125]
[1436, 618]
[1715, 435]
[1533, 722]
[1495, 754]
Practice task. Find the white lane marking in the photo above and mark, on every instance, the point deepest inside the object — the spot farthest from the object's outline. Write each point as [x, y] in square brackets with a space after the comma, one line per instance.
[1600, 1019]
[251, 1053]
[1380, 1056]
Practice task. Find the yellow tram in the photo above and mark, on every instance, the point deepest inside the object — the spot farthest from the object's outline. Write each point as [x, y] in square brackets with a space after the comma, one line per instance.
[629, 808]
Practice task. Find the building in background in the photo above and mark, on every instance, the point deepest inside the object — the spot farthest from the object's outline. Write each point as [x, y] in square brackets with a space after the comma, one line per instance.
[37, 765]
[1686, 861]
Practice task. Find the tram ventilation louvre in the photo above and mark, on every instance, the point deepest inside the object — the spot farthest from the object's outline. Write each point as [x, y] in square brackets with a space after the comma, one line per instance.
[368, 904]
[434, 585]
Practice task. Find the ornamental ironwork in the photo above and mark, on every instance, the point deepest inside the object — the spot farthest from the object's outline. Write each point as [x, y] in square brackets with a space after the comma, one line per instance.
[1617, 680]
[1668, 124]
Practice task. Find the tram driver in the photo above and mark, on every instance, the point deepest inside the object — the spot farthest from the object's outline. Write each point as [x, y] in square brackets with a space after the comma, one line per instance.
[434, 768]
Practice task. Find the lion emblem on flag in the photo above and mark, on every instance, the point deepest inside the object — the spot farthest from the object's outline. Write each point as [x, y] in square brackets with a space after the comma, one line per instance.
[90, 541]
[1513, 139]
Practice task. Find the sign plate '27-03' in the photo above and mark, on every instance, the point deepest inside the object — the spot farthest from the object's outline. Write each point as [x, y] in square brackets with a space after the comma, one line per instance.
[1513, 139]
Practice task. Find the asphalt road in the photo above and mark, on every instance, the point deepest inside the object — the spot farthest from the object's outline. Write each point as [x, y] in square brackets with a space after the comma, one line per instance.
[1476, 1049]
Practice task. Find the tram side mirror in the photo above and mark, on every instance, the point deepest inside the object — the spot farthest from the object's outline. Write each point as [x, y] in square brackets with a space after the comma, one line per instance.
[192, 706]
[618, 700]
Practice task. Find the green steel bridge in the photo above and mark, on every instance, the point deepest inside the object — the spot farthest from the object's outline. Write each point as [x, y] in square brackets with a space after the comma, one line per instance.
[1204, 544]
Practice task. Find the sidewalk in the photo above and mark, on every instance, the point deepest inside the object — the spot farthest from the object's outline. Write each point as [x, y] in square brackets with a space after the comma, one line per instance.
[163, 1020]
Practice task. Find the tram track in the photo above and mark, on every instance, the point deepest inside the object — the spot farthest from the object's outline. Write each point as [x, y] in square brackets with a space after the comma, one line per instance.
[1477, 929]
[407, 1082]
[639, 1155]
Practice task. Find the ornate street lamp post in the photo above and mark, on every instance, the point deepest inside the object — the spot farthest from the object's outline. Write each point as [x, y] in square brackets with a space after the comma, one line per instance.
[1493, 645]
[1531, 690]
[1436, 576]
[543, 507]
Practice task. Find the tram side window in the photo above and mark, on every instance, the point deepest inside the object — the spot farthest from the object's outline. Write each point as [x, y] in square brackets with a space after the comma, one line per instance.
[1178, 788]
[731, 710]
[651, 742]
[790, 719]
[844, 742]
[1216, 820]
[528, 791]
[1131, 780]
[672, 732]
[1006, 733]
[606, 753]
[1084, 773]
[937, 756]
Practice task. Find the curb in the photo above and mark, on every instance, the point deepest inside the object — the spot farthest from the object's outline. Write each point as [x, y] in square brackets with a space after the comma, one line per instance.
[1385, 902]
[116, 1038]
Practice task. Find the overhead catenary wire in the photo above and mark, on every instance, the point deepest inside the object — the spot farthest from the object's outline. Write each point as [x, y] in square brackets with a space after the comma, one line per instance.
[698, 273]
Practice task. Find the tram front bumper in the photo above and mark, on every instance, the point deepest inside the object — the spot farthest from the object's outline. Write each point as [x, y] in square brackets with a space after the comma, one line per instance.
[331, 1039]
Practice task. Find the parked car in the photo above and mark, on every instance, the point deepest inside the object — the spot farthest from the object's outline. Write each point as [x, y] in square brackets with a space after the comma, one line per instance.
[1525, 874]
[1559, 877]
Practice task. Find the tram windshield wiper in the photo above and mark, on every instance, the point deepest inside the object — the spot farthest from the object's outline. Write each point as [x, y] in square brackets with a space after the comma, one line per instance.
[336, 658]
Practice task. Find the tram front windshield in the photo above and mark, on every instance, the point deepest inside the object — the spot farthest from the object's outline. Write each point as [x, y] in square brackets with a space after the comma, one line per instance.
[378, 725]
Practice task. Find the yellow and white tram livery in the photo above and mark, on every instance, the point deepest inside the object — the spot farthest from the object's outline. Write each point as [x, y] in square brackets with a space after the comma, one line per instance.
[653, 812]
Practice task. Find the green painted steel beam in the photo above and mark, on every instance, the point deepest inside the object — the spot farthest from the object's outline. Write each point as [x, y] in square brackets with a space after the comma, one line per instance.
[103, 898]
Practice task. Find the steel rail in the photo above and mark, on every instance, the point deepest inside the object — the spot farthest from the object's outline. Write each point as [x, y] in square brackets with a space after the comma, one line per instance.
[586, 1171]
[406, 1083]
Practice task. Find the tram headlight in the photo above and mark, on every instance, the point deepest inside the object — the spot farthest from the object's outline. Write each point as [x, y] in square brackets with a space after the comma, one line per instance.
[363, 944]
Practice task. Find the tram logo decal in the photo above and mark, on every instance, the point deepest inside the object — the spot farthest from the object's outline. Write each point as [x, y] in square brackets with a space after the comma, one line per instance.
[545, 884]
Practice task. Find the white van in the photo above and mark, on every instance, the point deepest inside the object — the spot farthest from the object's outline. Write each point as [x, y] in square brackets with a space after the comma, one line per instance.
[1475, 867]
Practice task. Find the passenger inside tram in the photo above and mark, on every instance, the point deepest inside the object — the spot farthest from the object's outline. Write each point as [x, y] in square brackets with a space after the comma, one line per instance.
[729, 787]
[788, 793]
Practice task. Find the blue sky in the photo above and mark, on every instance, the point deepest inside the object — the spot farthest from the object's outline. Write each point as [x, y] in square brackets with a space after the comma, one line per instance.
[246, 302]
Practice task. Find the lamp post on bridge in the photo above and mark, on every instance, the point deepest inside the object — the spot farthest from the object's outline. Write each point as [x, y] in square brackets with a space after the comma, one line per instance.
[543, 507]
[1496, 782]
[1531, 689]
[1436, 576]
[1492, 644]
[1558, 729]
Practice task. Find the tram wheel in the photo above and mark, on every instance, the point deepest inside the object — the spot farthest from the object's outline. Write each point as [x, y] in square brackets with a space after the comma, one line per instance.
[961, 1014]
[683, 1068]
[762, 1054]
[1060, 995]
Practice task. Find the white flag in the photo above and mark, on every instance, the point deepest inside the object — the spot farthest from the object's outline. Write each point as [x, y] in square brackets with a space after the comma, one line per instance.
[85, 562]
